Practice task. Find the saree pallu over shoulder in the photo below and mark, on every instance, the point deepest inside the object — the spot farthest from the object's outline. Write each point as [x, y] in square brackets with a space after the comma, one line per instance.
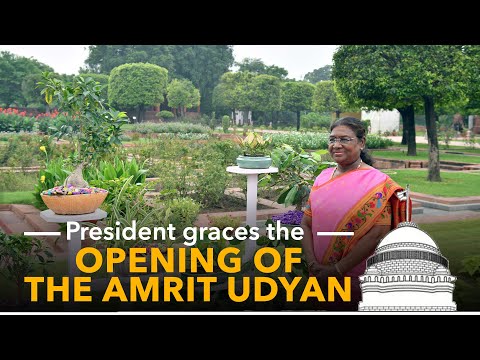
[352, 202]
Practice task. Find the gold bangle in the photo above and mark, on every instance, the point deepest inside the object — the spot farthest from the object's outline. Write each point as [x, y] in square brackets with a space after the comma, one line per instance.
[338, 269]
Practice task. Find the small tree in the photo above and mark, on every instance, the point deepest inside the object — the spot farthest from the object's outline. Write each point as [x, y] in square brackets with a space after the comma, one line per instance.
[135, 86]
[226, 123]
[183, 95]
[297, 97]
[100, 125]
[325, 98]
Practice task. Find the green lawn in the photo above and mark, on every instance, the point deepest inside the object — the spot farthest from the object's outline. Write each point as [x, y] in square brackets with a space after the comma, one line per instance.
[442, 147]
[423, 155]
[453, 184]
[17, 197]
[456, 241]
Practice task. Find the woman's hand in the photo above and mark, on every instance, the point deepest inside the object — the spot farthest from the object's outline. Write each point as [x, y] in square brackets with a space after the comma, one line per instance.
[323, 272]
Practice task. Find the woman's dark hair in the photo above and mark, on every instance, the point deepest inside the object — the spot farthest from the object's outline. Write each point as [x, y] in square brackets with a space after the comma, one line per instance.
[359, 129]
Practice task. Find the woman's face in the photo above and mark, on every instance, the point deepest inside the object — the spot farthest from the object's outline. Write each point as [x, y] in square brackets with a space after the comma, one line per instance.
[347, 152]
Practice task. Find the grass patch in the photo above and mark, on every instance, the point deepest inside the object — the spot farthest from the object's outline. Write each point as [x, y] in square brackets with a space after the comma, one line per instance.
[457, 240]
[17, 181]
[453, 184]
[464, 149]
[17, 197]
[423, 155]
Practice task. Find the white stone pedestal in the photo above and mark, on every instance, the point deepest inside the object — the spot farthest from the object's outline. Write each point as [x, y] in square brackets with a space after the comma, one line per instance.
[75, 243]
[252, 187]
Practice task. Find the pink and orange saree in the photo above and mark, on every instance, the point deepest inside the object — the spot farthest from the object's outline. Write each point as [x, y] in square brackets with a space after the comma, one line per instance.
[352, 202]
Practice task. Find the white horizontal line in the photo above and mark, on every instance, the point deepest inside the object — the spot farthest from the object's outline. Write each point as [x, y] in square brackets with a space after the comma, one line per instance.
[42, 233]
[335, 233]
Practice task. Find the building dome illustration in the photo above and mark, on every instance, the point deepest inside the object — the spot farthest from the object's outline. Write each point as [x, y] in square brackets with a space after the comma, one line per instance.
[407, 272]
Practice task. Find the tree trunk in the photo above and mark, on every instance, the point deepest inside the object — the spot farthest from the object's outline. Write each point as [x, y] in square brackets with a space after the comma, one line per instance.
[408, 118]
[405, 130]
[141, 113]
[245, 117]
[434, 156]
[298, 120]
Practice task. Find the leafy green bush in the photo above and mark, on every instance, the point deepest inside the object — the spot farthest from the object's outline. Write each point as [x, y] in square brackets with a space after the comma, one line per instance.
[165, 114]
[319, 140]
[12, 120]
[19, 256]
[226, 121]
[170, 127]
[210, 184]
[17, 181]
[366, 125]
[179, 211]
[117, 168]
[297, 171]
[314, 120]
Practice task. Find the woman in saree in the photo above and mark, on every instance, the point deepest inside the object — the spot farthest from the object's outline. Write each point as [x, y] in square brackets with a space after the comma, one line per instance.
[351, 197]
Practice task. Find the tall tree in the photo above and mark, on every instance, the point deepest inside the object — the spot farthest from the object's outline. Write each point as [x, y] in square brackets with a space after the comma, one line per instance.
[366, 76]
[236, 91]
[13, 71]
[227, 93]
[297, 96]
[30, 91]
[433, 74]
[201, 64]
[321, 74]
[267, 92]
[325, 98]
[258, 67]
[103, 58]
[135, 86]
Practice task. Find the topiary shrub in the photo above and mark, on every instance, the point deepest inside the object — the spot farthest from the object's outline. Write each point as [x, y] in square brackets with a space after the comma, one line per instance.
[165, 115]
[226, 123]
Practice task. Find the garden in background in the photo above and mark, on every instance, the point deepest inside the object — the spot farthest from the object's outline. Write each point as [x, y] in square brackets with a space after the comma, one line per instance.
[183, 164]
[173, 170]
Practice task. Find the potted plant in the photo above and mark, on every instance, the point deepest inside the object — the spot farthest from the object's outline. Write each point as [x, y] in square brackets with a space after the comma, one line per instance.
[99, 130]
[256, 151]
[297, 171]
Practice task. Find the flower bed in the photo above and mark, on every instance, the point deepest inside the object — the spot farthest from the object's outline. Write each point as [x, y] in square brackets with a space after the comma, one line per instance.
[291, 217]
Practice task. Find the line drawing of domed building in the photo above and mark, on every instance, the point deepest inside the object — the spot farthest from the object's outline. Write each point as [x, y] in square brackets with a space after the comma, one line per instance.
[407, 272]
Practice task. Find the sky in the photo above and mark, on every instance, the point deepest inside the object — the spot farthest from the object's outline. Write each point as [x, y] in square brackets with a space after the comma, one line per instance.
[298, 60]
